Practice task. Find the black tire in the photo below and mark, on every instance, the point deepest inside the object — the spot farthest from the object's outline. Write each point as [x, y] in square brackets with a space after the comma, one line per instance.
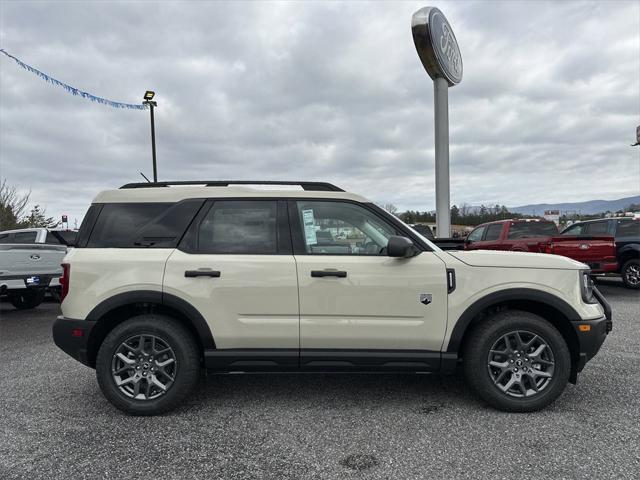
[480, 377]
[27, 298]
[166, 331]
[630, 273]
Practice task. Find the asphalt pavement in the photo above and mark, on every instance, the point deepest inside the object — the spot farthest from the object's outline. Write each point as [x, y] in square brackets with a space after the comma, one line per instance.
[55, 423]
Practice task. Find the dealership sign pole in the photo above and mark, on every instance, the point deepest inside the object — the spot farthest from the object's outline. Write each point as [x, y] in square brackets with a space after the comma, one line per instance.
[440, 55]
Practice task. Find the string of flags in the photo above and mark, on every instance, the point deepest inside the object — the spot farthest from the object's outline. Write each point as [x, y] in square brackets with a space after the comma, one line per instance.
[73, 90]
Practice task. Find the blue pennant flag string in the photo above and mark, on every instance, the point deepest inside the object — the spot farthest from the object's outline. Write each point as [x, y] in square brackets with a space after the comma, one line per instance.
[73, 90]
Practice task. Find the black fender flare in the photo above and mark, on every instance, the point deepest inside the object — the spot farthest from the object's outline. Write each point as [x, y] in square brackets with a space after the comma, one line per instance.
[628, 252]
[496, 298]
[192, 314]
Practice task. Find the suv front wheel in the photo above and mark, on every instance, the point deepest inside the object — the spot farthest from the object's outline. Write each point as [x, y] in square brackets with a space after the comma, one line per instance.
[517, 361]
[631, 273]
[147, 365]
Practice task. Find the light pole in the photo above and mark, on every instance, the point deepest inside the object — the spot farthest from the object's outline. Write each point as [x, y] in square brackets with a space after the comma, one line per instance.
[439, 53]
[148, 100]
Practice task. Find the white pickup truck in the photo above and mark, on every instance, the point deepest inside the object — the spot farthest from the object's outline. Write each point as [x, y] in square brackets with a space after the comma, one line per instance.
[30, 261]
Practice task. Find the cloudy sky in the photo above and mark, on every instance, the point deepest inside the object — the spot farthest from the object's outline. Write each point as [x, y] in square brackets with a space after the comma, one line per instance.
[546, 110]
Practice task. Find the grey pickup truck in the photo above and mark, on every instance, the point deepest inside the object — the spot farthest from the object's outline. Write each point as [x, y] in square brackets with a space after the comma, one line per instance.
[30, 263]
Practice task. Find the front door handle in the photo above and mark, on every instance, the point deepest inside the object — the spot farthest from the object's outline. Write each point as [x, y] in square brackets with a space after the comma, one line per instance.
[201, 273]
[329, 273]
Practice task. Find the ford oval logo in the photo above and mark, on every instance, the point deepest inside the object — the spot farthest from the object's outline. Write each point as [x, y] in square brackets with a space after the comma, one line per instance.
[437, 45]
[35, 257]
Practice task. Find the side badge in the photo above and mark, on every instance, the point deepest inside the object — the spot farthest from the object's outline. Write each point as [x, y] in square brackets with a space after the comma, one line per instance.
[425, 298]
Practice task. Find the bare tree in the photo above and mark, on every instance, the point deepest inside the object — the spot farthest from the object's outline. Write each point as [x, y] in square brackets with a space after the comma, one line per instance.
[13, 205]
[464, 209]
[391, 208]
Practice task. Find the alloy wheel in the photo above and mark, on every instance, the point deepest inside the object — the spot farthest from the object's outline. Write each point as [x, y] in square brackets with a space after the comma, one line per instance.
[521, 364]
[144, 367]
[632, 274]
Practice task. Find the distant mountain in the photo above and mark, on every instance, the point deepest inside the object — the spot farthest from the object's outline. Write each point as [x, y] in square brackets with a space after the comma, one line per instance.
[589, 207]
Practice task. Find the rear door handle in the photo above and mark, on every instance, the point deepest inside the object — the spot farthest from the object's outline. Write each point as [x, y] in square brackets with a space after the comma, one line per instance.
[201, 273]
[329, 273]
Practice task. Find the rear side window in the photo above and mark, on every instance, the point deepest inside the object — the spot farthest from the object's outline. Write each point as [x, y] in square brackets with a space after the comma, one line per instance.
[239, 227]
[598, 228]
[493, 232]
[25, 237]
[629, 228]
[532, 229]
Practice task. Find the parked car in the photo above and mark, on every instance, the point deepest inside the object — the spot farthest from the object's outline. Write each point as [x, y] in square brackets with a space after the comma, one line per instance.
[626, 231]
[30, 261]
[541, 236]
[167, 279]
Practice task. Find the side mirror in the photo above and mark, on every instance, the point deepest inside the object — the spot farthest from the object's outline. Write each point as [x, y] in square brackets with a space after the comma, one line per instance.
[401, 247]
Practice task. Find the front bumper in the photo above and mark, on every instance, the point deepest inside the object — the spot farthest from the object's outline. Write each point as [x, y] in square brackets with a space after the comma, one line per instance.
[72, 337]
[591, 333]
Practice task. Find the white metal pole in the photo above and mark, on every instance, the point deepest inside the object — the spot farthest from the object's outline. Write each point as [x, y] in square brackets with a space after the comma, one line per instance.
[441, 109]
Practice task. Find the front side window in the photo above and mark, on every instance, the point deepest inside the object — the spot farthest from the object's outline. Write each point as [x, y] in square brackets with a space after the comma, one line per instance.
[6, 238]
[239, 227]
[574, 230]
[340, 228]
[476, 235]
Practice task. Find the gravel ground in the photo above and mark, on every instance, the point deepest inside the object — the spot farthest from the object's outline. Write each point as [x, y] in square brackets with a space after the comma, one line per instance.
[55, 423]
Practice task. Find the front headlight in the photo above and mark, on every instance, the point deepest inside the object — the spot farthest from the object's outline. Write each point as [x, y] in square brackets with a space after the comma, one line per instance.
[586, 287]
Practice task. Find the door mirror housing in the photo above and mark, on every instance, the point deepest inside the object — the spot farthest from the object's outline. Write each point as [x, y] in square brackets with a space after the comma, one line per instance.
[401, 247]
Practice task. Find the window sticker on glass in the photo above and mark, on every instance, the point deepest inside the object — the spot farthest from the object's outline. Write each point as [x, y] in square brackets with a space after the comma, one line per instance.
[309, 227]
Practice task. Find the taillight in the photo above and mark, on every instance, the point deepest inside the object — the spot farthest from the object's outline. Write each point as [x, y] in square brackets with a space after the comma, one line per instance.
[64, 280]
[547, 247]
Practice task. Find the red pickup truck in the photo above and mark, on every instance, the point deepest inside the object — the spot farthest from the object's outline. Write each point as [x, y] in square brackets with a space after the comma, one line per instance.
[542, 236]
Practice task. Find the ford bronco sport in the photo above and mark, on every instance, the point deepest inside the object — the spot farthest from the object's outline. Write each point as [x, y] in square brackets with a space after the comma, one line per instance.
[168, 278]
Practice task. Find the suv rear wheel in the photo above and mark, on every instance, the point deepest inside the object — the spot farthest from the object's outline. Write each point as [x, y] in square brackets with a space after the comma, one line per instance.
[147, 365]
[517, 361]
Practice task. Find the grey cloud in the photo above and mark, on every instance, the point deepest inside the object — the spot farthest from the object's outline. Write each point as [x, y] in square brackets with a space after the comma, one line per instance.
[326, 91]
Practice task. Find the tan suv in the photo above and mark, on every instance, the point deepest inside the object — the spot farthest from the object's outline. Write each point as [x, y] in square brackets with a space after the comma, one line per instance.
[168, 278]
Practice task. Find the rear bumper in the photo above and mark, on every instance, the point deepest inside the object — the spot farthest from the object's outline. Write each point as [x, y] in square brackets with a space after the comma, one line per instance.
[18, 282]
[72, 337]
[591, 333]
[603, 267]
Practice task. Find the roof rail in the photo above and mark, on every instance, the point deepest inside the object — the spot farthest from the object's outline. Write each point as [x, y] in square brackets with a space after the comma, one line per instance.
[312, 186]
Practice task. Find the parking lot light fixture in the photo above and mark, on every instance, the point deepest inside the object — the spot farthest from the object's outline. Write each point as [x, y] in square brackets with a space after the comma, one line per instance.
[148, 100]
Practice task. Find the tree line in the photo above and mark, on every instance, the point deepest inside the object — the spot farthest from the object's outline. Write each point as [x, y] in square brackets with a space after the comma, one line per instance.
[15, 211]
[463, 215]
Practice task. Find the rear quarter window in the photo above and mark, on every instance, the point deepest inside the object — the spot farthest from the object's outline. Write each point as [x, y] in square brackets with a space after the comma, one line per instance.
[138, 225]
[25, 237]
